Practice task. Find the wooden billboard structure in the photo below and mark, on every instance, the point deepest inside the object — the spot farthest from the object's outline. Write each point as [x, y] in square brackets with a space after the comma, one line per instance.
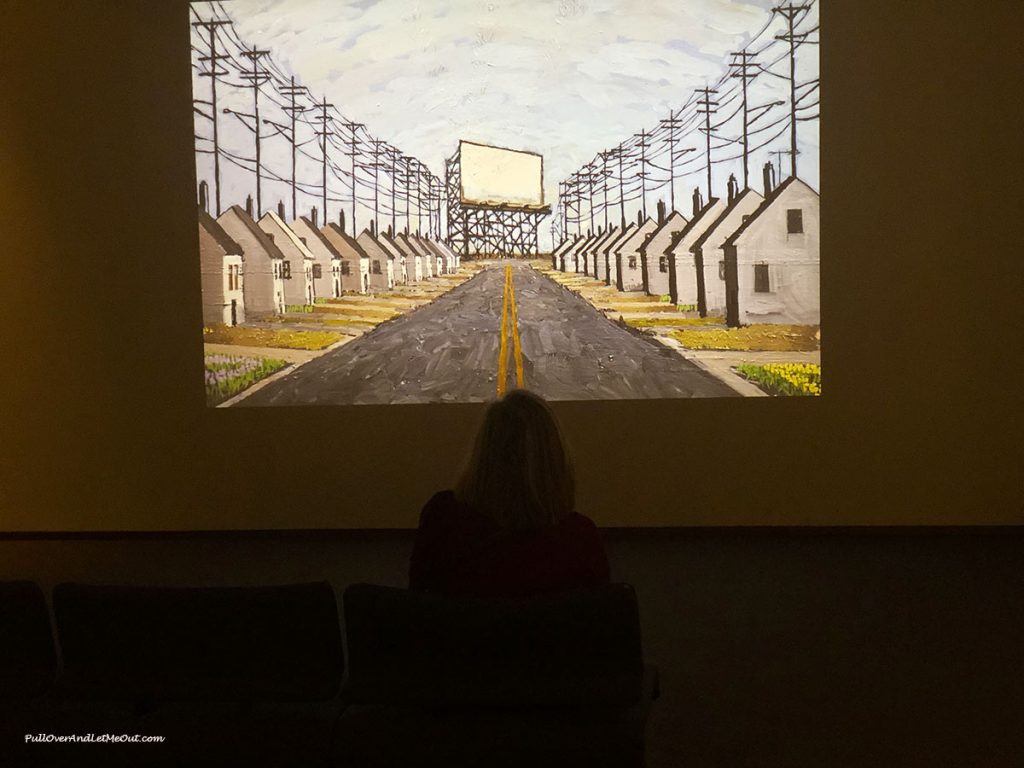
[491, 228]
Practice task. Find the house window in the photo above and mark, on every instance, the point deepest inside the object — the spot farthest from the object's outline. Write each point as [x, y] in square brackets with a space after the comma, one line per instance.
[376, 267]
[317, 271]
[794, 221]
[233, 277]
[761, 278]
[721, 270]
[663, 263]
[346, 268]
[286, 270]
[632, 262]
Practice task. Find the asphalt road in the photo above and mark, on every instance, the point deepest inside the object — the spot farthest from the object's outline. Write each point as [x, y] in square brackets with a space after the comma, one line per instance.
[448, 351]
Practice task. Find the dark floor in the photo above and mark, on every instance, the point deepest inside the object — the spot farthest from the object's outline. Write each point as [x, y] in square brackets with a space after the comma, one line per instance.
[775, 648]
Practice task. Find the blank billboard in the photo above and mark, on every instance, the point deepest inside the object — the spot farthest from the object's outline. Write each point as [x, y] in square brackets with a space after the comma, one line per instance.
[496, 176]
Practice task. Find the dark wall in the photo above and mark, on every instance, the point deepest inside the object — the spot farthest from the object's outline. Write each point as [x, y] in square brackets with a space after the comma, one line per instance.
[776, 648]
[103, 419]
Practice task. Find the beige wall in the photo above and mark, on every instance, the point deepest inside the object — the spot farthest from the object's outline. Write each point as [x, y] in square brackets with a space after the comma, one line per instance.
[104, 422]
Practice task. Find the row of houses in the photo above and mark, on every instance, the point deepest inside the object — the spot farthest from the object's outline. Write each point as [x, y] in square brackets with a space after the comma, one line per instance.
[752, 258]
[259, 267]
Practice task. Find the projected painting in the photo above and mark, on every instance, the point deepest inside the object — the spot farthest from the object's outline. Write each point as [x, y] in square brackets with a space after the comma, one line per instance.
[437, 202]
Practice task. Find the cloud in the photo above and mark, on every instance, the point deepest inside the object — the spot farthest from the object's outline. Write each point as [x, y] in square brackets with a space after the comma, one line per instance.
[565, 78]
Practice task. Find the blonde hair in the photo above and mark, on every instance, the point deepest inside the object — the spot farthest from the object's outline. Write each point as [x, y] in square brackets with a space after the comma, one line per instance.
[519, 472]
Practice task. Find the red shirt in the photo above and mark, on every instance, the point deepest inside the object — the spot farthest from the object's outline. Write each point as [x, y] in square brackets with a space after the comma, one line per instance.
[459, 551]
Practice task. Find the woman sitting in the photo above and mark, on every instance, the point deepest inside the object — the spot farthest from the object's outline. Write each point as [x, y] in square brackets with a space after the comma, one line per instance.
[509, 529]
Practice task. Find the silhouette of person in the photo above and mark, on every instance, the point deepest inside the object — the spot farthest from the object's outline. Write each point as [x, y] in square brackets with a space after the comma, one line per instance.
[509, 528]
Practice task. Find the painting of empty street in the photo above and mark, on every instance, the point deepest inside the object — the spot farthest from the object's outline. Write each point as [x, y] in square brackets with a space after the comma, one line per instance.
[592, 199]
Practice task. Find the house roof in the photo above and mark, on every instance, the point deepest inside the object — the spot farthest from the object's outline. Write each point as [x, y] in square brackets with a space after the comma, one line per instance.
[565, 246]
[290, 236]
[599, 239]
[666, 230]
[261, 237]
[701, 217]
[611, 246]
[390, 246]
[648, 227]
[216, 231]
[418, 246]
[764, 206]
[343, 243]
[699, 242]
[370, 245]
[319, 236]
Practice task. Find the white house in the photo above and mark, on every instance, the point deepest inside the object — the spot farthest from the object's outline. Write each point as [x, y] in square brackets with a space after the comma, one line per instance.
[683, 285]
[413, 257]
[447, 258]
[772, 261]
[327, 262]
[590, 250]
[607, 261]
[397, 254]
[455, 257]
[355, 262]
[570, 259]
[382, 269]
[653, 258]
[299, 280]
[263, 273]
[221, 263]
[629, 270]
[439, 265]
[709, 254]
[558, 254]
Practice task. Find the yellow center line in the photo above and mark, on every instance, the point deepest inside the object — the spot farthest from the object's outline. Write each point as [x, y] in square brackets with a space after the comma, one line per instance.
[517, 350]
[503, 353]
[509, 300]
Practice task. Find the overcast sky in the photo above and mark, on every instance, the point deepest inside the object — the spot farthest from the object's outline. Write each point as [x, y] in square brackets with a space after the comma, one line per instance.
[565, 78]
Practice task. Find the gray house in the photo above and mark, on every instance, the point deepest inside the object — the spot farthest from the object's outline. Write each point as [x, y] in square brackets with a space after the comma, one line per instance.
[438, 254]
[298, 260]
[263, 275]
[570, 259]
[629, 271]
[709, 252]
[772, 261]
[355, 262]
[327, 262]
[221, 264]
[456, 258]
[382, 269]
[684, 287]
[653, 258]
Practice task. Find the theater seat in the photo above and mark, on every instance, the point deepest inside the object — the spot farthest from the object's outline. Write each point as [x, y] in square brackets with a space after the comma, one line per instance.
[228, 676]
[553, 680]
[28, 664]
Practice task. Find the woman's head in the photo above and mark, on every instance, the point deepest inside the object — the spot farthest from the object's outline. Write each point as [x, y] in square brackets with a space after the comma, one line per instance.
[519, 472]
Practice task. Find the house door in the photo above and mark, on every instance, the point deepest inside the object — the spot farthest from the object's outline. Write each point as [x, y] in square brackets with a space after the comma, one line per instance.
[234, 312]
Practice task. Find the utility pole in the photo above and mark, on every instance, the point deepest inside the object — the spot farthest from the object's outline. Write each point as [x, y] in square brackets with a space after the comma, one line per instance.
[376, 186]
[643, 135]
[323, 134]
[562, 185]
[293, 109]
[211, 26]
[393, 155]
[791, 12]
[672, 123]
[707, 109]
[743, 63]
[257, 78]
[605, 176]
[352, 128]
[622, 186]
[407, 180]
